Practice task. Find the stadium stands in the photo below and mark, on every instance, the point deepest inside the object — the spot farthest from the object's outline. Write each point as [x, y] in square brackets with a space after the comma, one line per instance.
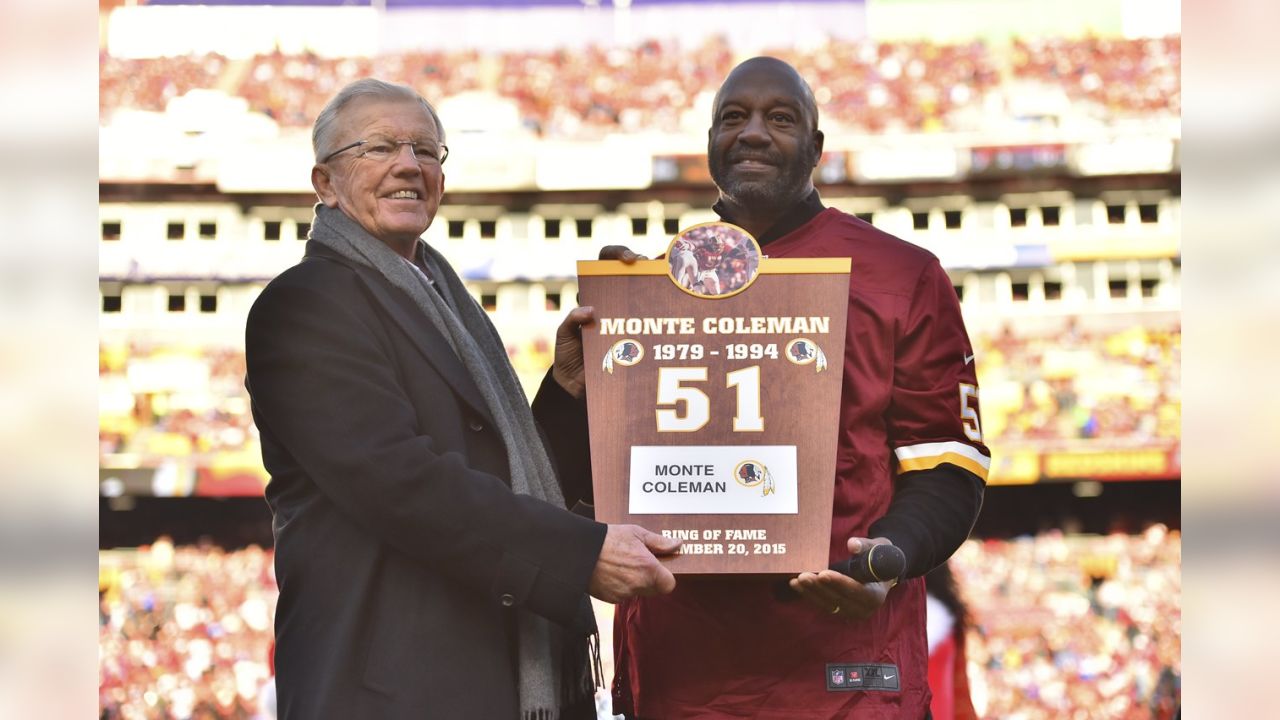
[1118, 78]
[150, 84]
[862, 85]
[1066, 627]
[1067, 388]
[184, 632]
[1074, 627]
[1123, 387]
[899, 87]
[173, 402]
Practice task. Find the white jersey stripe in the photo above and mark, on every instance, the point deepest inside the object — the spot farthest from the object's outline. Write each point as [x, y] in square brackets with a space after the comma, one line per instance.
[925, 451]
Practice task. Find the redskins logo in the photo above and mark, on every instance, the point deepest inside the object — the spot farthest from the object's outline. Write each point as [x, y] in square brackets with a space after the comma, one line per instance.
[753, 473]
[803, 351]
[626, 352]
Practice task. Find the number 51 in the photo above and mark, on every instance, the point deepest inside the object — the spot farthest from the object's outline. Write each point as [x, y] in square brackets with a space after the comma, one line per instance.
[672, 391]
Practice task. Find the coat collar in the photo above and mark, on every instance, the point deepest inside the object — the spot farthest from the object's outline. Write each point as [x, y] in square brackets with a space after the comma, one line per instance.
[799, 214]
[422, 333]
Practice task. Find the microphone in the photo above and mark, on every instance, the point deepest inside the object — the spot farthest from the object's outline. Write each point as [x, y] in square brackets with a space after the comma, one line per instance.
[878, 563]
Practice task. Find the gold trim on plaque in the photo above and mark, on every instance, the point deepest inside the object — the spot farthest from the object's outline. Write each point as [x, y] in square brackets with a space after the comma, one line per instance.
[768, 266]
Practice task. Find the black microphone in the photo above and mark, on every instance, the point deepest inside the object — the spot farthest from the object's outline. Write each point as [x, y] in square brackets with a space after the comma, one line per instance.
[878, 563]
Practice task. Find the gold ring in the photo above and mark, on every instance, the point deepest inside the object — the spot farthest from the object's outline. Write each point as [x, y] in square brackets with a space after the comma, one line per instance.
[870, 567]
[835, 610]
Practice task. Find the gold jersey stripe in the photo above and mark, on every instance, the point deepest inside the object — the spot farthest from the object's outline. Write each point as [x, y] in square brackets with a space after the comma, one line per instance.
[768, 266]
[933, 461]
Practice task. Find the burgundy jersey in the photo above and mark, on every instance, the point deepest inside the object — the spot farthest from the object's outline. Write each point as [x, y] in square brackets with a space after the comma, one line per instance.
[727, 647]
[707, 258]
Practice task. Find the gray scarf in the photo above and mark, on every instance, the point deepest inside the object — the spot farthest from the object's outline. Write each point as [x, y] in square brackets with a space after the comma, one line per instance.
[544, 687]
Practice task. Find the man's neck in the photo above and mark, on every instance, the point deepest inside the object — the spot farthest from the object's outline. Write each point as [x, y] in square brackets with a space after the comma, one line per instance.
[755, 220]
[769, 224]
[405, 248]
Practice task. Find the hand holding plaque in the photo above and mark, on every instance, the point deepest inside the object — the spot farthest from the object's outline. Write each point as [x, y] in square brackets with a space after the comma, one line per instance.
[712, 406]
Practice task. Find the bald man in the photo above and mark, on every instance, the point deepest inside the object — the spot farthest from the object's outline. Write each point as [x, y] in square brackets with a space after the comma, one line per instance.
[910, 469]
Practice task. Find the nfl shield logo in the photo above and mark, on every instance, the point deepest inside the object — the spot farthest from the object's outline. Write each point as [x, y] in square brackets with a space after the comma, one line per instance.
[837, 676]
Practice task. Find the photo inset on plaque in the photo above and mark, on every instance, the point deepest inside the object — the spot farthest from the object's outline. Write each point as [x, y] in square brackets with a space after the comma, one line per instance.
[713, 260]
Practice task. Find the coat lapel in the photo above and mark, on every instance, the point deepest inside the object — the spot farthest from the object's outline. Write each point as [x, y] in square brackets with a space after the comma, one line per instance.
[428, 340]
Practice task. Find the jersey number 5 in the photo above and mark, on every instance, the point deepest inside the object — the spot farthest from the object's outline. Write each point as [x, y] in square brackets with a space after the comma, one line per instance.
[969, 412]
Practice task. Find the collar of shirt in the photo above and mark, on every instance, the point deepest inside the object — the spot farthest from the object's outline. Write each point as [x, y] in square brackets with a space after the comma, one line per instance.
[799, 214]
[422, 270]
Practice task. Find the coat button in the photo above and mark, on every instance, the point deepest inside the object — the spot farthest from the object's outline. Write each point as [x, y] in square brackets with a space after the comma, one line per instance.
[475, 426]
[508, 600]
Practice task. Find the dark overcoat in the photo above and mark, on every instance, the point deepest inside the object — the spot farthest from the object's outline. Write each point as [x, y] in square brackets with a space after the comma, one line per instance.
[401, 551]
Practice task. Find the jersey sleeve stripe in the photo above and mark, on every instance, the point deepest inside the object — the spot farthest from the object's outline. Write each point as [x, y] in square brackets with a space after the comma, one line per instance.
[930, 455]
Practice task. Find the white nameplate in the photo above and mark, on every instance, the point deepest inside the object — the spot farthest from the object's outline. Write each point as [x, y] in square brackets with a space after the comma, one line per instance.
[713, 480]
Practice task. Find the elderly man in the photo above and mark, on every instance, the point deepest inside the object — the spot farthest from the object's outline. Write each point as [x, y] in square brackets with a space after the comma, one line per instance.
[427, 566]
[910, 465]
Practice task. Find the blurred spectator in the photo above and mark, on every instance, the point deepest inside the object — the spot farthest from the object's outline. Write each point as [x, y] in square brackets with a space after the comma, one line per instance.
[173, 401]
[184, 632]
[907, 86]
[861, 86]
[1118, 78]
[1120, 389]
[596, 90]
[267, 695]
[1075, 627]
[948, 627]
[151, 84]
[1062, 627]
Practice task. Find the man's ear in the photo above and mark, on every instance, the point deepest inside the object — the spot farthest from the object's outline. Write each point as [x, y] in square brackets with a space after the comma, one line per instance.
[818, 137]
[322, 181]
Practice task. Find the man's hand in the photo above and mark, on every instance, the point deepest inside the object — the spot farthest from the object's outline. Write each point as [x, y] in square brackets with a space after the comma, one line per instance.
[838, 594]
[620, 252]
[628, 567]
[568, 369]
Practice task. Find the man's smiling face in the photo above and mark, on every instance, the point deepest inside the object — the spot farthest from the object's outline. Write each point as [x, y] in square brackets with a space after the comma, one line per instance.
[396, 200]
[763, 144]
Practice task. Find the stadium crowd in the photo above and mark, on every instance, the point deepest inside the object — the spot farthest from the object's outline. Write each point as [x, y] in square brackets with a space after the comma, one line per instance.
[914, 86]
[1119, 78]
[137, 84]
[1118, 389]
[1075, 627]
[1122, 388]
[172, 401]
[1065, 627]
[184, 632]
[862, 86]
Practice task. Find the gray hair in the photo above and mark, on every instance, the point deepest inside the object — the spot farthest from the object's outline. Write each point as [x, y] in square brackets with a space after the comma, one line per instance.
[371, 88]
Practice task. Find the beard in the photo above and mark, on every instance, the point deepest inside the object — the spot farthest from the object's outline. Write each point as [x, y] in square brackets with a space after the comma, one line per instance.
[782, 192]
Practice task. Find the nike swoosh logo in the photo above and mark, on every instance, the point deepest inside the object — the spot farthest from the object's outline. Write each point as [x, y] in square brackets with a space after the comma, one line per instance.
[968, 359]
[890, 677]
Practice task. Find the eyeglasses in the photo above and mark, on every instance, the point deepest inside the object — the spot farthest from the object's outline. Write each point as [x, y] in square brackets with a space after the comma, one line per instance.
[381, 150]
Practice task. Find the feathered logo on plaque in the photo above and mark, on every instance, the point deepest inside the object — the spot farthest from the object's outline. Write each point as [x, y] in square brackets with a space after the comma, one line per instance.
[625, 352]
[803, 351]
[753, 473]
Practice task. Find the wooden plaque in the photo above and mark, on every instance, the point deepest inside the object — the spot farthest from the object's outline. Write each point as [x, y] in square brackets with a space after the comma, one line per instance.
[714, 416]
